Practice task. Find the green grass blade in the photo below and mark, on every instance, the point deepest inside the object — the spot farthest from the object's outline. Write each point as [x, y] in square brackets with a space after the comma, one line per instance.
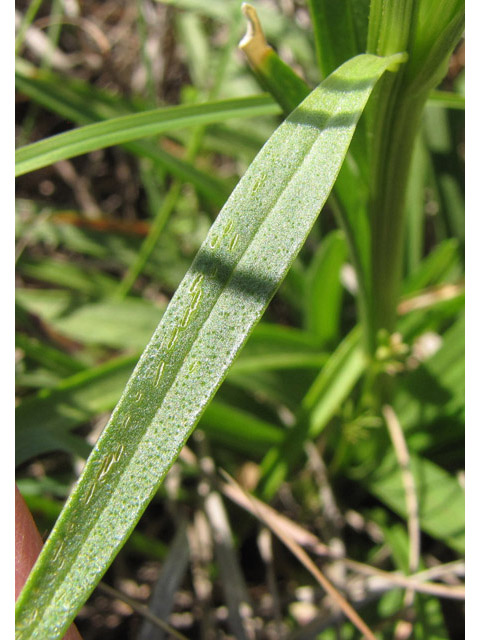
[80, 103]
[27, 20]
[47, 356]
[325, 396]
[87, 280]
[324, 289]
[72, 98]
[246, 254]
[133, 127]
[447, 99]
[335, 382]
[435, 268]
[239, 430]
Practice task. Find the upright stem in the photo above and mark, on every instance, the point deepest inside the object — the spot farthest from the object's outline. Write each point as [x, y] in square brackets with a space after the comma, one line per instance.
[394, 118]
[394, 121]
[387, 204]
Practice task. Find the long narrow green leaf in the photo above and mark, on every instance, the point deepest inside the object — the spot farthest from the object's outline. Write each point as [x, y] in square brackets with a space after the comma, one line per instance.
[334, 383]
[133, 127]
[323, 300]
[435, 267]
[120, 324]
[244, 257]
[80, 103]
[47, 356]
[325, 396]
[447, 99]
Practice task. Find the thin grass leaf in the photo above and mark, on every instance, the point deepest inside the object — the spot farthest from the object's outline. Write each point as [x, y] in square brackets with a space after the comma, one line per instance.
[27, 20]
[243, 259]
[47, 356]
[435, 268]
[79, 102]
[134, 127]
[453, 205]
[280, 361]
[324, 289]
[239, 430]
[74, 99]
[335, 382]
[447, 99]
[208, 185]
[324, 397]
[87, 280]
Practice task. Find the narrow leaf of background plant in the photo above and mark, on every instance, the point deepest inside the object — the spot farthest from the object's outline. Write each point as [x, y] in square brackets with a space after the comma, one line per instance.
[133, 127]
[242, 261]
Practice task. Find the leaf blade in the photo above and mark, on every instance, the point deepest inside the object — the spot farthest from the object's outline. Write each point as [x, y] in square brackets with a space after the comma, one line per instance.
[133, 127]
[214, 309]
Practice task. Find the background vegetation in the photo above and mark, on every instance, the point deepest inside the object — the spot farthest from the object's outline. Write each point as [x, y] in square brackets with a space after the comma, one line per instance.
[354, 437]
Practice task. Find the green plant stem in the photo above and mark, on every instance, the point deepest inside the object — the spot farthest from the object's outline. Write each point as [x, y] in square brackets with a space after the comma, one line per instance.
[398, 126]
[392, 25]
[394, 122]
[336, 39]
[148, 245]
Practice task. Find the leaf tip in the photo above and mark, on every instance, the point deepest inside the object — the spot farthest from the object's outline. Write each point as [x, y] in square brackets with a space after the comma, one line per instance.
[253, 43]
[396, 60]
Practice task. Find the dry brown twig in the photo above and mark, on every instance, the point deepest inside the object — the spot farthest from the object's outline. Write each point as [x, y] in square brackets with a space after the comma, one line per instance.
[430, 296]
[95, 33]
[301, 555]
[405, 627]
[233, 583]
[417, 582]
